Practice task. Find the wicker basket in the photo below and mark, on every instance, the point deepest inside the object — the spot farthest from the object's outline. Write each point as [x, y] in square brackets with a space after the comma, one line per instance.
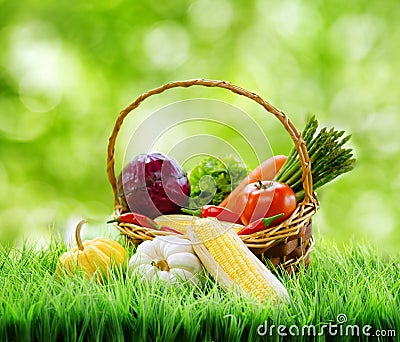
[287, 245]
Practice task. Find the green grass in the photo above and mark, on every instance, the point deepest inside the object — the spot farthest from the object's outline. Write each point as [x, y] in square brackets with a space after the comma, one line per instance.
[354, 281]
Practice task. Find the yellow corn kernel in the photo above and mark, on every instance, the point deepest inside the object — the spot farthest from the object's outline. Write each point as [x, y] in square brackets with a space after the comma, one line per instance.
[234, 258]
[180, 222]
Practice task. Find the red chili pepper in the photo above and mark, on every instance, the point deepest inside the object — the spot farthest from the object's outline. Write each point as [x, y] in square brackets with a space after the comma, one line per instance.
[168, 229]
[142, 220]
[135, 218]
[258, 225]
[220, 213]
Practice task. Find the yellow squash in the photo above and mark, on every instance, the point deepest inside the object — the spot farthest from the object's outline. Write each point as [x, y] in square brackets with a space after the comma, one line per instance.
[92, 257]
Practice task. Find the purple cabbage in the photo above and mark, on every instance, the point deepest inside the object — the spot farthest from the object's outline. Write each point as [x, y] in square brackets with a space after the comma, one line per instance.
[152, 185]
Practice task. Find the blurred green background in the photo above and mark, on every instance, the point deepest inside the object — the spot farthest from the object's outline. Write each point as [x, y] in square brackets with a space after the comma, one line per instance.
[68, 68]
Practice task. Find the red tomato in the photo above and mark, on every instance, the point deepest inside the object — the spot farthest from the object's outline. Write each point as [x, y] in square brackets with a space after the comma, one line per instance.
[265, 199]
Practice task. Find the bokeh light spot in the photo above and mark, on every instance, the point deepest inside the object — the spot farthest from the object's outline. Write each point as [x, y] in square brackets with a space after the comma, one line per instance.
[3, 181]
[214, 15]
[167, 45]
[17, 123]
[376, 218]
[353, 37]
[34, 61]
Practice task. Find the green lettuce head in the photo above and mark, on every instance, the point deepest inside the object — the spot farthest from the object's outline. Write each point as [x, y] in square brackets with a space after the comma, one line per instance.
[213, 179]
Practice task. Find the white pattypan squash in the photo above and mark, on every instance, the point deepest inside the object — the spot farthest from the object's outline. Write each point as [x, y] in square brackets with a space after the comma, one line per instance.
[168, 258]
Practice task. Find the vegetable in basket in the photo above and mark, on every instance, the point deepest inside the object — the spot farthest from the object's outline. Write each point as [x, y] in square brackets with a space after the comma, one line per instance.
[265, 199]
[259, 225]
[213, 179]
[223, 214]
[153, 184]
[168, 258]
[328, 159]
[142, 221]
[265, 171]
[134, 218]
[181, 222]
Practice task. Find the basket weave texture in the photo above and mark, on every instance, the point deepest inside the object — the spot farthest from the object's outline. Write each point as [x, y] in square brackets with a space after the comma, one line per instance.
[286, 245]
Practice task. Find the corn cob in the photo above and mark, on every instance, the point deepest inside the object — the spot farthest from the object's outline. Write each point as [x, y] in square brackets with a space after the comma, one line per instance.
[231, 263]
[181, 222]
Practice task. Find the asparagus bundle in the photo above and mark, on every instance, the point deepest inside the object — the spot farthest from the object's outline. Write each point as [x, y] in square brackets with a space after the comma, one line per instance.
[328, 158]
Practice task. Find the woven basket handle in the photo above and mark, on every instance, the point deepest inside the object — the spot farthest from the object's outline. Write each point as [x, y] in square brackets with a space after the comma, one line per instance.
[293, 132]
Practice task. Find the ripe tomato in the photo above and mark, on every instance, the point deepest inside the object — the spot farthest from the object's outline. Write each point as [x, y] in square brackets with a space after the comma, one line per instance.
[265, 199]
